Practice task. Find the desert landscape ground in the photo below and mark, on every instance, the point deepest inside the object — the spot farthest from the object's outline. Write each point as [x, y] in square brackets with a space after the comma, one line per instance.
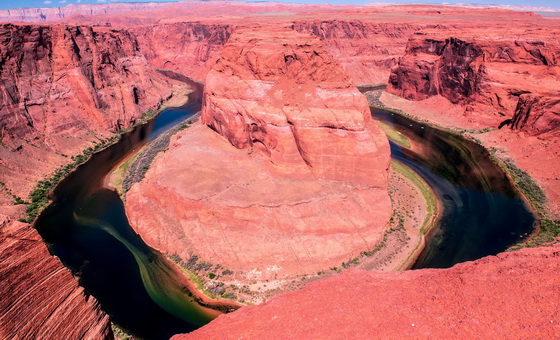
[313, 155]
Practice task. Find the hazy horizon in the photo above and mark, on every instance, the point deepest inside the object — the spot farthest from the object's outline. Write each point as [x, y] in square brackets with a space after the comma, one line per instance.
[61, 3]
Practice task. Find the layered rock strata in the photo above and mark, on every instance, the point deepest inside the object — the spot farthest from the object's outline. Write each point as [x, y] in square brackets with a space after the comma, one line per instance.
[190, 48]
[62, 88]
[511, 295]
[294, 180]
[491, 79]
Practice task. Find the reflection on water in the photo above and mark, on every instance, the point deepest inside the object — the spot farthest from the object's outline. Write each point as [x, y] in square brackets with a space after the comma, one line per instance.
[482, 212]
[86, 227]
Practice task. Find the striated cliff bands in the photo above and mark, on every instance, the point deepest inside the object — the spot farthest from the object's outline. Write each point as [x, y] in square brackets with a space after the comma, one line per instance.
[62, 89]
[293, 182]
[190, 48]
[366, 50]
[490, 78]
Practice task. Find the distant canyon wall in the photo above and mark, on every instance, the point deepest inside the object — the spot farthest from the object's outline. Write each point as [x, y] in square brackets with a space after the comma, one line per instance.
[506, 81]
[189, 48]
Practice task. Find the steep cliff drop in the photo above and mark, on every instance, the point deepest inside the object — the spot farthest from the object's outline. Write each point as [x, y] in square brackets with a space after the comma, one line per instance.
[293, 182]
[511, 295]
[504, 89]
[62, 88]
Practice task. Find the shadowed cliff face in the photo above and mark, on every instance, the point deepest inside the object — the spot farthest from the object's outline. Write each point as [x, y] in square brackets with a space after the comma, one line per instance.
[493, 78]
[452, 68]
[537, 114]
[189, 48]
[61, 89]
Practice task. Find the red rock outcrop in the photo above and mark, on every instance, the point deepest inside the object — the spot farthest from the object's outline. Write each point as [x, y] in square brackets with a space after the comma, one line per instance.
[512, 295]
[288, 96]
[485, 76]
[299, 183]
[190, 48]
[61, 88]
[537, 114]
[40, 298]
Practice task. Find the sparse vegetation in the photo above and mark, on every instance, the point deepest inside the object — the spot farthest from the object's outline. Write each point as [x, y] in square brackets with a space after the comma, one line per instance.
[120, 333]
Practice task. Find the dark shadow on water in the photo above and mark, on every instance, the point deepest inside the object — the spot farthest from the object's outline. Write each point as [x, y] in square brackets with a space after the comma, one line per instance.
[483, 213]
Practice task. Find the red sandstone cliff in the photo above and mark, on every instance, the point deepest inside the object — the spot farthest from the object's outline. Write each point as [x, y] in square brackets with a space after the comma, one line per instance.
[486, 76]
[61, 88]
[512, 295]
[297, 181]
[190, 48]
[366, 50]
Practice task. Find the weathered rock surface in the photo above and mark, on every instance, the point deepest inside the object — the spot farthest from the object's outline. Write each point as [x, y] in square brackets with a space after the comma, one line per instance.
[512, 295]
[61, 88]
[281, 91]
[299, 183]
[366, 50]
[189, 48]
[40, 298]
[491, 79]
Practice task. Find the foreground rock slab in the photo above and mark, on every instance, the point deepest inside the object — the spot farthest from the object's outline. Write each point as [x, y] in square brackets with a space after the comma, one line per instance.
[512, 295]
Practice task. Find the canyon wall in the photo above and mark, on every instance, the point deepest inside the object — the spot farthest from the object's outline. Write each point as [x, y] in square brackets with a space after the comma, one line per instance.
[293, 182]
[62, 88]
[511, 295]
[491, 79]
[366, 50]
[189, 48]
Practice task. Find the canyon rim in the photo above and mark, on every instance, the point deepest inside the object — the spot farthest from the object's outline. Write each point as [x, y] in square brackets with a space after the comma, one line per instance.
[286, 175]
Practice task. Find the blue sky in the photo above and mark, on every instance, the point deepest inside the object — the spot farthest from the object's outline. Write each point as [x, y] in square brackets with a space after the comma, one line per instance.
[8, 4]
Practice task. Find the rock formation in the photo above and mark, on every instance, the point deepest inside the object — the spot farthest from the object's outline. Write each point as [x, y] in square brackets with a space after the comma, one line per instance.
[61, 89]
[366, 50]
[537, 114]
[297, 183]
[190, 48]
[512, 295]
[288, 96]
[485, 76]
[40, 298]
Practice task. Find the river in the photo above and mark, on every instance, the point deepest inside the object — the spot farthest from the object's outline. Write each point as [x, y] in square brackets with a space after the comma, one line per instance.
[86, 227]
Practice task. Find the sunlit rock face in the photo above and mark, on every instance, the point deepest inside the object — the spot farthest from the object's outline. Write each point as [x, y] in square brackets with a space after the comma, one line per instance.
[282, 92]
[288, 177]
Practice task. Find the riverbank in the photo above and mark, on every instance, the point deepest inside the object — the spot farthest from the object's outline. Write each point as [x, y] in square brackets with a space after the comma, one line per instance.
[530, 161]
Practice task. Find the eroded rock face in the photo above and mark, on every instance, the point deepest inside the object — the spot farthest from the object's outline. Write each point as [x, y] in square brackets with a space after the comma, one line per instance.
[190, 48]
[512, 295]
[490, 78]
[40, 298]
[61, 88]
[537, 114]
[295, 180]
[452, 68]
[366, 50]
[287, 95]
